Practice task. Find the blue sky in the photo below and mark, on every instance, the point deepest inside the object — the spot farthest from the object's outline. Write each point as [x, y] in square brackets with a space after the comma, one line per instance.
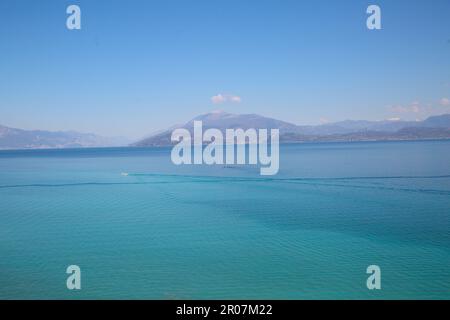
[140, 66]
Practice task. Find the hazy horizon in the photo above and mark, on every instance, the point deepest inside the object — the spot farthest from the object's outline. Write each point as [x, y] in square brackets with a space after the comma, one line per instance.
[157, 131]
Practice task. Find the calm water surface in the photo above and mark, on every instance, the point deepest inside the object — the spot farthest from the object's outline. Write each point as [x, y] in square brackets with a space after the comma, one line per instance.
[188, 232]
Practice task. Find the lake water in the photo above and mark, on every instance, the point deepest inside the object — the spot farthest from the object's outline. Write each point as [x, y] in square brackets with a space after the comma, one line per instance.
[191, 232]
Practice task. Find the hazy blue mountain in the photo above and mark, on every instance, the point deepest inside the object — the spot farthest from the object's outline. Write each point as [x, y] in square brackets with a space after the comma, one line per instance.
[437, 127]
[223, 120]
[442, 121]
[11, 138]
[350, 126]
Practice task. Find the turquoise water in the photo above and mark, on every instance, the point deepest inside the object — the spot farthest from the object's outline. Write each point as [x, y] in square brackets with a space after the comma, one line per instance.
[189, 232]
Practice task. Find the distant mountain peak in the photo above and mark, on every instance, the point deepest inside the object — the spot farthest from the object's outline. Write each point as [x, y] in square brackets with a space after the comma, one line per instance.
[214, 116]
[218, 111]
[348, 130]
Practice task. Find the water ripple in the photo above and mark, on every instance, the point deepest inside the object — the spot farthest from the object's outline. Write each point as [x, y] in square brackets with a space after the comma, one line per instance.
[326, 182]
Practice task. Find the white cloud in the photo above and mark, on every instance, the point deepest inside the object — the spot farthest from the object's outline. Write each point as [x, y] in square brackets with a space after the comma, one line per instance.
[218, 99]
[417, 110]
[221, 98]
[235, 99]
[324, 120]
[444, 102]
[414, 107]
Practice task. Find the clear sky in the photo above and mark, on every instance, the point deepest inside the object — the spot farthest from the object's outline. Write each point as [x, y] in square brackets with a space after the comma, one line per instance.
[140, 66]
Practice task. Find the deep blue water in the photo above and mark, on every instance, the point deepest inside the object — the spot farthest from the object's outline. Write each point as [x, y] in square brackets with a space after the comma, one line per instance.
[187, 232]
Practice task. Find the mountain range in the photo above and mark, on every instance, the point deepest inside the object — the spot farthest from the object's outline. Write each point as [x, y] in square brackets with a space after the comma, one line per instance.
[436, 127]
[12, 138]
